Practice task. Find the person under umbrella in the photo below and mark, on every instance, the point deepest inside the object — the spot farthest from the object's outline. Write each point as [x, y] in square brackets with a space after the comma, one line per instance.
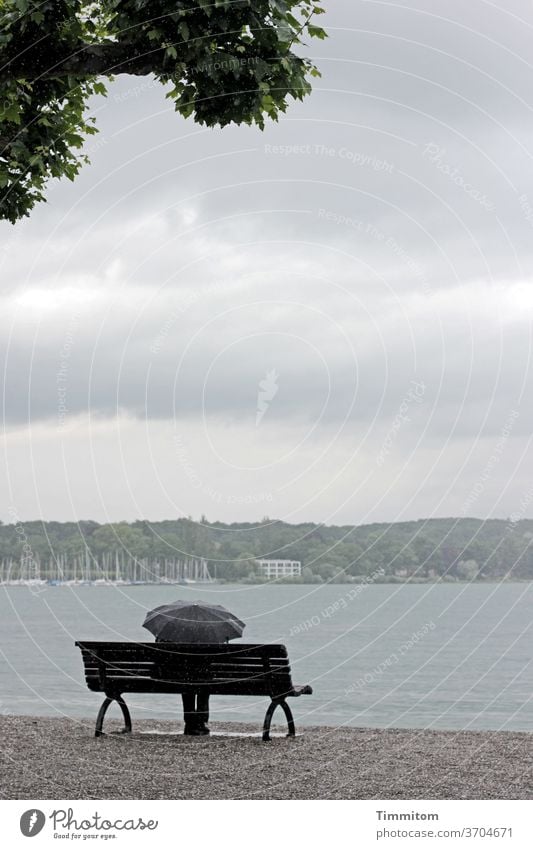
[193, 622]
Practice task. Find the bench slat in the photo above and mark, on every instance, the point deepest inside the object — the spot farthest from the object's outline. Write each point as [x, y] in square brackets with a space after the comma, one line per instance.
[93, 660]
[227, 649]
[214, 667]
[175, 679]
[238, 688]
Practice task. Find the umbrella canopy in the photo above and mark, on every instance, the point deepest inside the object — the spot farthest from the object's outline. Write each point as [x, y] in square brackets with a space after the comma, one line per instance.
[193, 622]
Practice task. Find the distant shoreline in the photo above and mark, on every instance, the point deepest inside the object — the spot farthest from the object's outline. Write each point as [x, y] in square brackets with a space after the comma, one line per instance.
[459, 550]
[283, 582]
[287, 582]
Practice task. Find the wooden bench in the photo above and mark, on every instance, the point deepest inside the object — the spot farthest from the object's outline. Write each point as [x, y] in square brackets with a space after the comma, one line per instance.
[221, 669]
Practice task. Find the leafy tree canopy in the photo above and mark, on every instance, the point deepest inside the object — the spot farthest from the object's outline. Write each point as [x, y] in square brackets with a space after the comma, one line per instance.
[225, 61]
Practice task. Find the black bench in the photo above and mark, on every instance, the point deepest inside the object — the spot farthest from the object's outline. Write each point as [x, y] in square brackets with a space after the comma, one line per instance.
[221, 669]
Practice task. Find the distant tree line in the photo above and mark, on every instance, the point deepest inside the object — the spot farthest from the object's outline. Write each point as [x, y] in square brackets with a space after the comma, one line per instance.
[446, 549]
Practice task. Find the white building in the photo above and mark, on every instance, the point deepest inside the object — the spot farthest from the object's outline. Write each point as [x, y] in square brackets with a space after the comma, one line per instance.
[280, 568]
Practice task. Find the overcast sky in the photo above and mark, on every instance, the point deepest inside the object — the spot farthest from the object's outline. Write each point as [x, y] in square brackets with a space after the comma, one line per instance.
[327, 321]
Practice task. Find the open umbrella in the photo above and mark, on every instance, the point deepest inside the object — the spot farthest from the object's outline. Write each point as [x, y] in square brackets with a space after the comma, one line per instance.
[193, 622]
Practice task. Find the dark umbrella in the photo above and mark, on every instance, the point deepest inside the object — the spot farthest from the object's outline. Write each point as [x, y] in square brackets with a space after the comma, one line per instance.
[193, 622]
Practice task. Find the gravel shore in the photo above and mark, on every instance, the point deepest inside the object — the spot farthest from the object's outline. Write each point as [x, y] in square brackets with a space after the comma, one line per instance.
[44, 758]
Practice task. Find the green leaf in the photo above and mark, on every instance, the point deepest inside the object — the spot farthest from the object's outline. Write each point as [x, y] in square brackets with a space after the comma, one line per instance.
[12, 113]
[316, 32]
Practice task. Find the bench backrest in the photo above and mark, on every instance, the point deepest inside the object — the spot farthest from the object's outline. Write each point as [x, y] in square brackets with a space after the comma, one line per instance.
[226, 669]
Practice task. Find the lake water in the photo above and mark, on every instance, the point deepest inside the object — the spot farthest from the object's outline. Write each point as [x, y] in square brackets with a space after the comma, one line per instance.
[426, 656]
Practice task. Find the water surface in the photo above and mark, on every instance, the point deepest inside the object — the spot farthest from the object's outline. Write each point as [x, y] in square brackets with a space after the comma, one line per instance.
[426, 656]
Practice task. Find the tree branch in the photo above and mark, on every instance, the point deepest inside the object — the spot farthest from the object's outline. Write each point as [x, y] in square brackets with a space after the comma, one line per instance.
[90, 60]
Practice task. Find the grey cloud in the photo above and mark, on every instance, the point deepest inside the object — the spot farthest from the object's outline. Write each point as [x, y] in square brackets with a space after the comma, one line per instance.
[195, 355]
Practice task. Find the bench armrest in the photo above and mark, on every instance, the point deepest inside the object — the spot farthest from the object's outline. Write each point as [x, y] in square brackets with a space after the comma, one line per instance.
[303, 690]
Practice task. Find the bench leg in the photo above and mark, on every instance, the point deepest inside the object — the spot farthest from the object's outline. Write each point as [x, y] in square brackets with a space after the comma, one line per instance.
[270, 713]
[103, 710]
[125, 714]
